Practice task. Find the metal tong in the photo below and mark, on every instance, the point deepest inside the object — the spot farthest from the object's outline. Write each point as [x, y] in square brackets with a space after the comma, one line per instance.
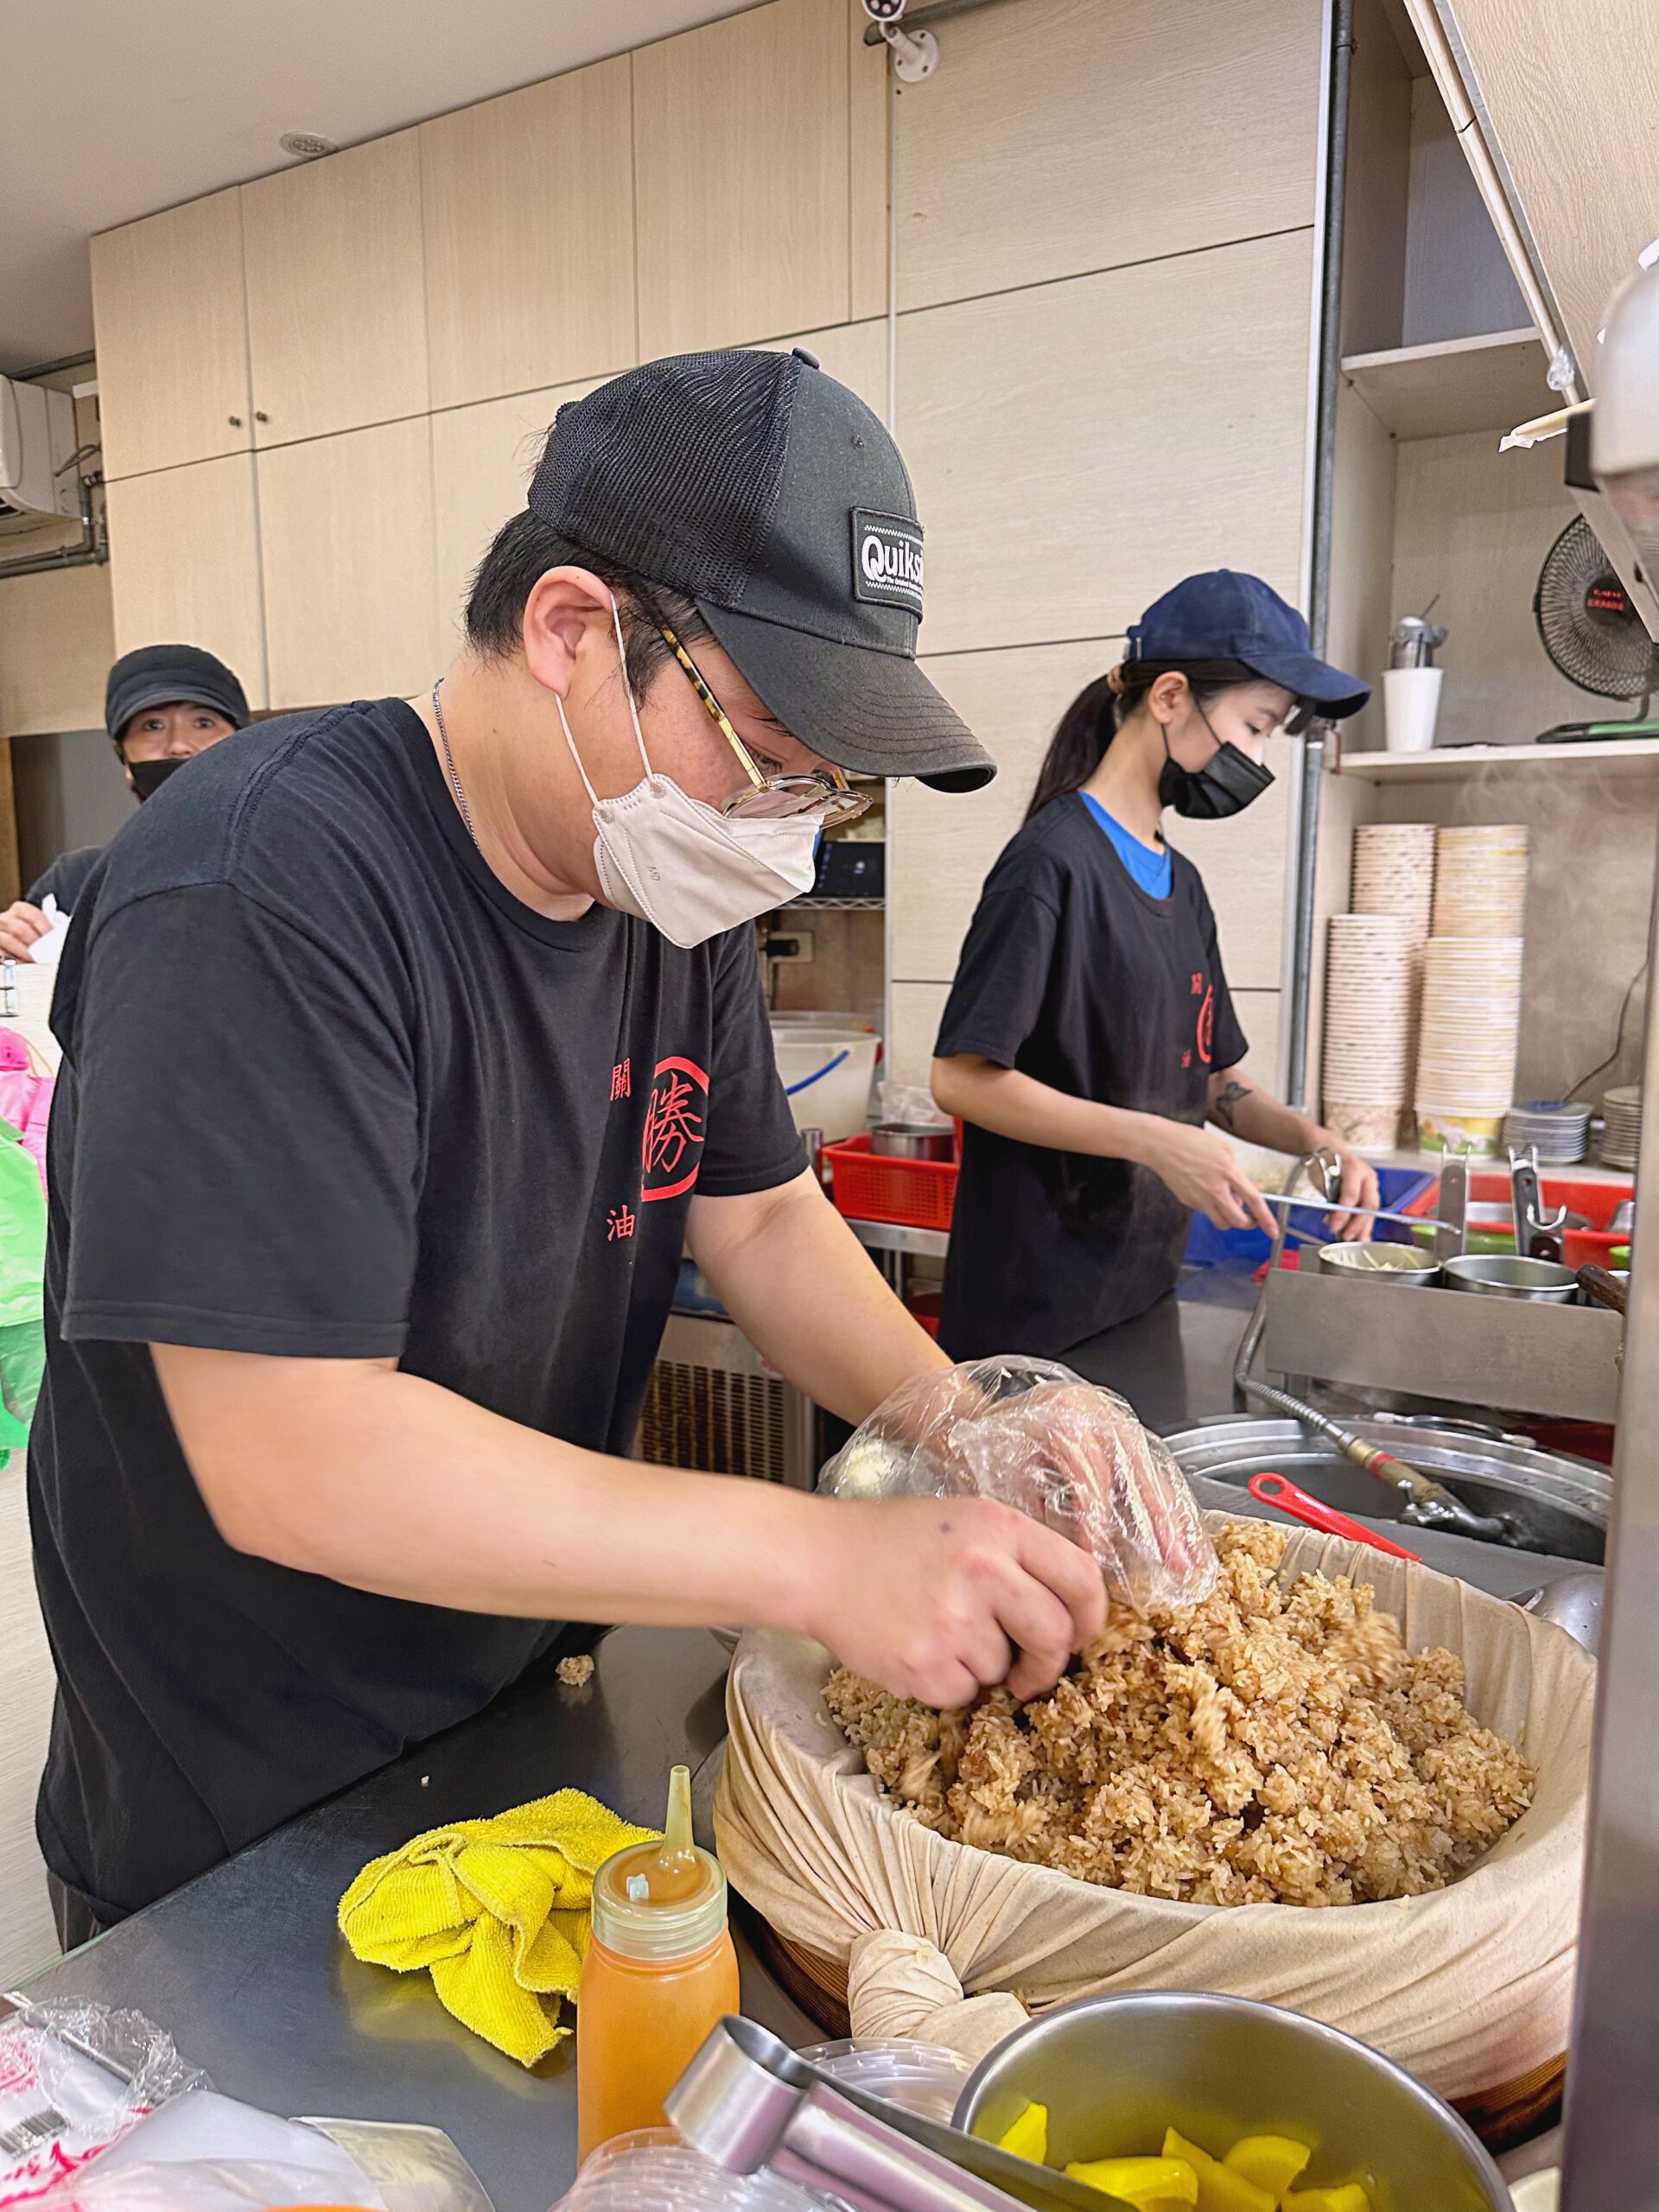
[748, 2103]
[1537, 1236]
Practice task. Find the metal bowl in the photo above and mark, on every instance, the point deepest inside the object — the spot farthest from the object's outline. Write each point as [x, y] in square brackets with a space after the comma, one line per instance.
[913, 1141]
[1115, 2071]
[1402, 1263]
[1493, 1274]
[1559, 1504]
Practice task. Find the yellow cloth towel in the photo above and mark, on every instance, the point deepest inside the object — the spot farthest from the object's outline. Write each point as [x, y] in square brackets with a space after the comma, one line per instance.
[498, 1910]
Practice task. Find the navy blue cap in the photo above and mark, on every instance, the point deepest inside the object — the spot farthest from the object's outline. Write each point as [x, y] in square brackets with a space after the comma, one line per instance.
[1223, 615]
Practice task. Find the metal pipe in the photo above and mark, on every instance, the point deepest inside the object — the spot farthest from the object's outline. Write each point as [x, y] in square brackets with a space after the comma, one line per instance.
[923, 19]
[1301, 983]
[1612, 2114]
[94, 546]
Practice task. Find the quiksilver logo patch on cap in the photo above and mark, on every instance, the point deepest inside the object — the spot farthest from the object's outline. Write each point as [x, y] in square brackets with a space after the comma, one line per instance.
[887, 559]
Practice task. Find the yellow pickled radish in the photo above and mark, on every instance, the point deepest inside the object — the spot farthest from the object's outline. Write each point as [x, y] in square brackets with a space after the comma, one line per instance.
[1220, 2189]
[1349, 2197]
[1272, 2162]
[1028, 2136]
[1149, 2184]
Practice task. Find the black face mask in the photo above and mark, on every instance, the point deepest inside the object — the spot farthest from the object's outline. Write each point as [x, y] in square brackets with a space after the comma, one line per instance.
[1225, 784]
[149, 776]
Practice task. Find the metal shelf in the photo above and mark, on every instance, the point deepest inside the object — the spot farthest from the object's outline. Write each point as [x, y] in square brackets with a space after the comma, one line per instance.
[837, 906]
[1599, 755]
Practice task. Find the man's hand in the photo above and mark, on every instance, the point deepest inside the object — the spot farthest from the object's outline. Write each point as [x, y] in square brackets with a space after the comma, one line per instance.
[1203, 1172]
[20, 925]
[938, 1597]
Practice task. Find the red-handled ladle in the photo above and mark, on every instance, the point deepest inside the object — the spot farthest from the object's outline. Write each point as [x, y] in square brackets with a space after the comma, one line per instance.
[1276, 1490]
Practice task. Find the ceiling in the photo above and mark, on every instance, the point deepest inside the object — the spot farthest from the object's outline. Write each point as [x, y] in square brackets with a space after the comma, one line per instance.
[116, 108]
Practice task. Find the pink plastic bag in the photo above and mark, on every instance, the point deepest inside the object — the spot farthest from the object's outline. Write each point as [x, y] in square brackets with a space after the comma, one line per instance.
[25, 1095]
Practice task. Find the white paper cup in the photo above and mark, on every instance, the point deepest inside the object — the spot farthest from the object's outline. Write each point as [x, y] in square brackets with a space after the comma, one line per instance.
[1411, 702]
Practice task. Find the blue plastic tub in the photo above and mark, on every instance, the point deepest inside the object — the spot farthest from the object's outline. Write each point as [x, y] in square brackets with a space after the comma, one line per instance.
[1208, 1246]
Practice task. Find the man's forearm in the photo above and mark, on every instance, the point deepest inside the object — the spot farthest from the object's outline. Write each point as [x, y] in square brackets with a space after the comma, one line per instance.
[1018, 1106]
[804, 1291]
[391, 1483]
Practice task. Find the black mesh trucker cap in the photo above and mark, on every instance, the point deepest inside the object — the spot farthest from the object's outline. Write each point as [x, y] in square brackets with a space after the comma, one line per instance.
[771, 495]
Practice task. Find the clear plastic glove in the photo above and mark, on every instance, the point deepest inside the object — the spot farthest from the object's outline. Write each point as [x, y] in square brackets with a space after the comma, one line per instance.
[1066, 1453]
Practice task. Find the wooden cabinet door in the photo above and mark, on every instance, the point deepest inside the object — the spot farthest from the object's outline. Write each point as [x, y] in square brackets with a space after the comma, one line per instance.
[184, 564]
[527, 204]
[346, 539]
[741, 138]
[336, 308]
[169, 315]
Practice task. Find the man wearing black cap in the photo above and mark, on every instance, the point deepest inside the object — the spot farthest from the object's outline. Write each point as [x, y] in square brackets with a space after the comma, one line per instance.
[163, 705]
[437, 1028]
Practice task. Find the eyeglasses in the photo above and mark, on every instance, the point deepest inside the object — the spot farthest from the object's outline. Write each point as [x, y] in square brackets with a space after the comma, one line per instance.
[824, 792]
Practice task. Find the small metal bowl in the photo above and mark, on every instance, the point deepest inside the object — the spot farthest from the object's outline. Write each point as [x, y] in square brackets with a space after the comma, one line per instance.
[913, 1141]
[1115, 2071]
[1402, 1263]
[1493, 1274]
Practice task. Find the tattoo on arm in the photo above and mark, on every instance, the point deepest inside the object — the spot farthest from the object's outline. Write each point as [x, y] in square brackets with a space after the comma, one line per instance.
[1225, 1106]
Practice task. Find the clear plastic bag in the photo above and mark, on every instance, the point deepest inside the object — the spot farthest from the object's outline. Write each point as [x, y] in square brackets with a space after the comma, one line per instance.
[1067, 1453]
[923, 2078]
[73, 2079]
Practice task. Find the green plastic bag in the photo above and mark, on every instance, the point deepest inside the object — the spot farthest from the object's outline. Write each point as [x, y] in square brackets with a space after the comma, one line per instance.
[22, 1273]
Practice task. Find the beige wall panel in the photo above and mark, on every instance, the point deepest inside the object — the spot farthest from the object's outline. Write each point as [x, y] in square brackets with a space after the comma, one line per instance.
[1258, 1015]
[867, 146]
[1378, 181]
[915, 1011]
[527, 205]
[944, 844]
[1066, 135]
[483, 459]
[855, 354]
[347, 541]
[1573, 90]
[1474, 525]
[1080, 448]
[56, 643]
[170, 317]
[735, 243]
[184, 564]
[336, 296]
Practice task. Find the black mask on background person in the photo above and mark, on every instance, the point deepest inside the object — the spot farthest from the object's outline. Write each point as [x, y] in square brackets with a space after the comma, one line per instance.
[1226, 784]
[149, 776]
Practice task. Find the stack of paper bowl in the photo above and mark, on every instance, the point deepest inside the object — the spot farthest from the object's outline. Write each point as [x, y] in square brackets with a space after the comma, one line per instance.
[1480, 879]
[1367, 1081]
[1466, 1046]
[1621, 1141]
[1394, 873]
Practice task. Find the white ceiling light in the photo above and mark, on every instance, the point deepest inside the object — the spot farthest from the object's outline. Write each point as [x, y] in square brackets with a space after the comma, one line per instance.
[306, 145]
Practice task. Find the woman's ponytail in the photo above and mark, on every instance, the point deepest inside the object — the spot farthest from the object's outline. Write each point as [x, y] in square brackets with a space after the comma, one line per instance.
[1079, 744]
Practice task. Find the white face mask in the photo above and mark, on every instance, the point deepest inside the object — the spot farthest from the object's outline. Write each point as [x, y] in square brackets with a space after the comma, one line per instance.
[679, 863]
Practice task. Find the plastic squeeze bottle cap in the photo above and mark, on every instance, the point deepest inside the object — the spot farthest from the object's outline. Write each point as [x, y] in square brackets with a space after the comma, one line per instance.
[662, 1900]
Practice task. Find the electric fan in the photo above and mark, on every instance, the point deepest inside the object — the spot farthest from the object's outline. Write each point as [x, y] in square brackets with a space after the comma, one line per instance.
[1594, 634]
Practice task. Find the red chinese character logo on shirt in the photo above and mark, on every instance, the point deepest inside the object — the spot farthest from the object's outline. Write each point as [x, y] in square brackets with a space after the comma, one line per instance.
[1207, 1025]
[671, 1146]
[622, 1079]
[1198, 985]
[1187, 1059]
[619, 1222]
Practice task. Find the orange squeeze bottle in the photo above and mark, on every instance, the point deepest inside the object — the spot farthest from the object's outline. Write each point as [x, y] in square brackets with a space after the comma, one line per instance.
[660, 1971]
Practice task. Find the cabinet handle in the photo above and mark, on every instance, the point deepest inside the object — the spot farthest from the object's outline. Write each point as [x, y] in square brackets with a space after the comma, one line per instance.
[260, 416]
[235, 422]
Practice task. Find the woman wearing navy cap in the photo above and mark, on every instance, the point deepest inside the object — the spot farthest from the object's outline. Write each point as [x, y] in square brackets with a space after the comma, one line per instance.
[1090, 1034]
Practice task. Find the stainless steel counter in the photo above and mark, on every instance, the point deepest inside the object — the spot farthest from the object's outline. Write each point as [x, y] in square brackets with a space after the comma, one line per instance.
[245, 1967]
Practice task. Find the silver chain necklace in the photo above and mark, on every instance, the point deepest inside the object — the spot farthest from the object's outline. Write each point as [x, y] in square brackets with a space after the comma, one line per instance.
[450, 763]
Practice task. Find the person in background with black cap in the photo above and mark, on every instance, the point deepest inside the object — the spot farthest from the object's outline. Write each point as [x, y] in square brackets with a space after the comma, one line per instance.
[406, 1048]
[163, 705]
[1090, 1034]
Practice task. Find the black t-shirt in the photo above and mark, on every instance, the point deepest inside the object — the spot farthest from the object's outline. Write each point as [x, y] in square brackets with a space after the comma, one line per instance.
[66, 877]
[329, 1090]
[1074, 975]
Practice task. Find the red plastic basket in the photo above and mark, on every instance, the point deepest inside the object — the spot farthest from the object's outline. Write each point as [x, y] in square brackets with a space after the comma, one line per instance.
[1596, 1201]
[873, 1186]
